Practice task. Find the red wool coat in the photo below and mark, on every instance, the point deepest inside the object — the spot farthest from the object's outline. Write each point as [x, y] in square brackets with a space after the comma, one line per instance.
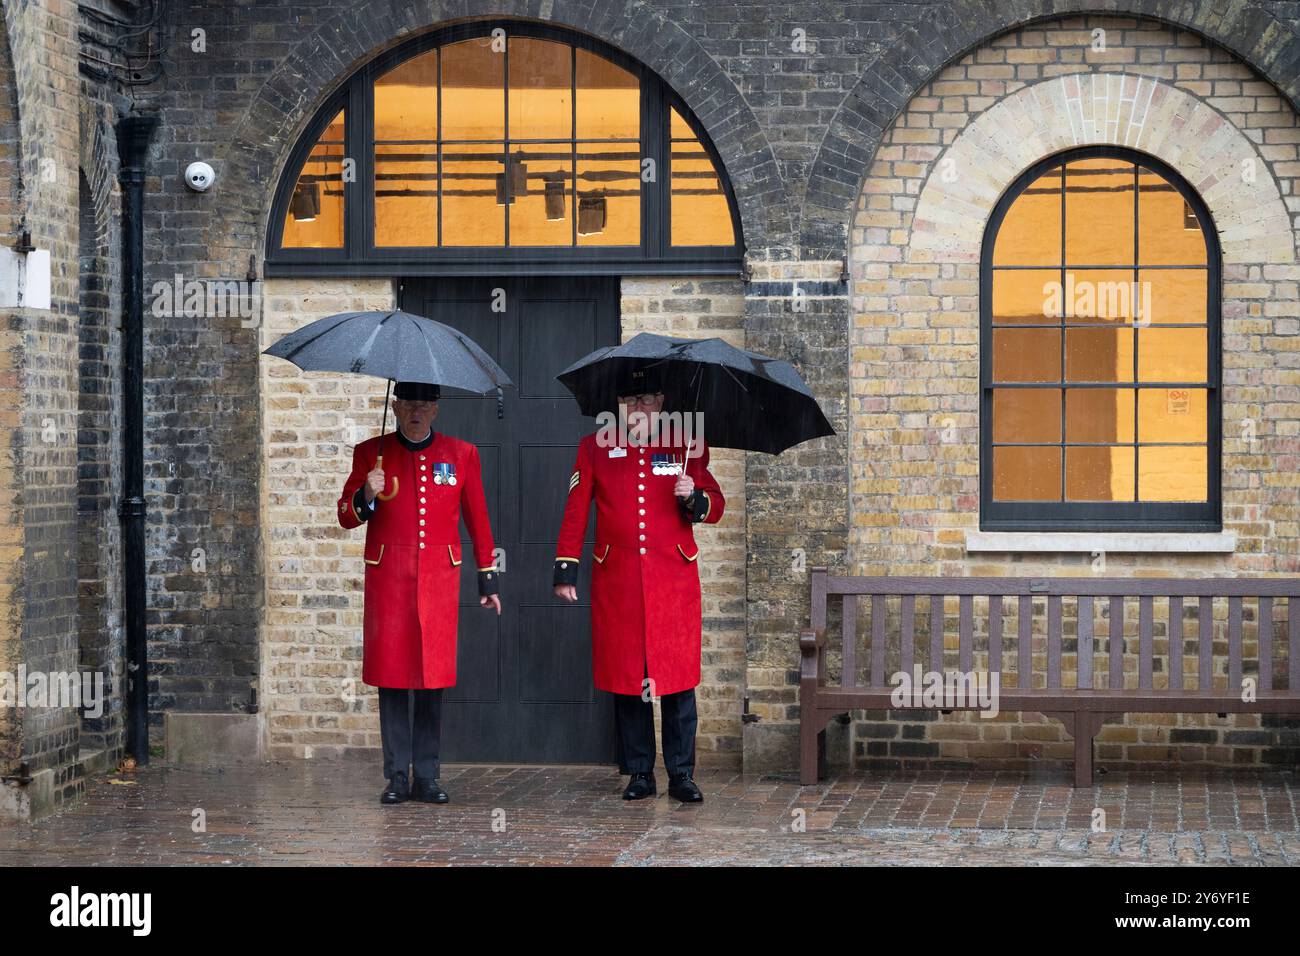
[412, 555]
[645, 585]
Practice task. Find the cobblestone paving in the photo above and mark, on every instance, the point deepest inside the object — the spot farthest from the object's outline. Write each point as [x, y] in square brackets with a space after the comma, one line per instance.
[327, 812]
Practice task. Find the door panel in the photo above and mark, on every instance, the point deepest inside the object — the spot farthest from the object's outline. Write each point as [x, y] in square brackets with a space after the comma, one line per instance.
[524, 691]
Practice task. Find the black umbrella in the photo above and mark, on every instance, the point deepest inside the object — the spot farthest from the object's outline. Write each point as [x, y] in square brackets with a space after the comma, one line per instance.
[396, 346]
[747, 401]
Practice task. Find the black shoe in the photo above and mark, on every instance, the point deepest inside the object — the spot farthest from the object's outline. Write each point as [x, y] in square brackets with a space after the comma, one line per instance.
[683, 788]
[428, 791]
[641, 785]
[397, 790]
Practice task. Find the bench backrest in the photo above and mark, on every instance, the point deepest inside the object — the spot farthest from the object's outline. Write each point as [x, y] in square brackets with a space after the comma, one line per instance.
[1045, 608]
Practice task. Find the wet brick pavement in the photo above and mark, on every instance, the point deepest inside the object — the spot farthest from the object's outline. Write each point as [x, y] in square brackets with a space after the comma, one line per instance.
[327, 812]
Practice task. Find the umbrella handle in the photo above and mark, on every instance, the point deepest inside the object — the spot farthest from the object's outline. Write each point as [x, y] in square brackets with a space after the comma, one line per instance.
[379, 463]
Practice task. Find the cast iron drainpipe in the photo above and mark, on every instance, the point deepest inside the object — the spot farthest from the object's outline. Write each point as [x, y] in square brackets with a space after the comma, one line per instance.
[134, 131]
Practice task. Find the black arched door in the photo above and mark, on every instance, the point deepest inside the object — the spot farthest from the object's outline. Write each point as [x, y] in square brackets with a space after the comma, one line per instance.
[524, 691]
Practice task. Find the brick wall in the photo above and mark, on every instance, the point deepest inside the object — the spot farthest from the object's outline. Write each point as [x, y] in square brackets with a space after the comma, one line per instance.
[99, 429]
[311, 640]
[707, 308]
[312, 696]
[38, 431]
[797, 101]
[10, 400]
[915, 378]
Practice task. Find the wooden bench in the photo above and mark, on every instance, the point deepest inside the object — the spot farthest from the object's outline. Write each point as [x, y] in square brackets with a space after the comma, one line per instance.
[1053, 618]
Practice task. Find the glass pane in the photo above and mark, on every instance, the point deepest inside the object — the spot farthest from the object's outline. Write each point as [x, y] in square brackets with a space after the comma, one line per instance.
[609, 99]
[1176, 295]
[540, 216]
[1172, 414]
[698, 206]
[1098, 212]
[1026, 474]
[1026, 355]
[1168, 230]
[609, 194]
[315, 216]
[1172, 473]
[474, 192]
[1026, 414]
[1099, 295]
[1099, 474]
[1099, 415]
[406, 100]
[1026, 296]
[1171, 355]
[1099, 355]
[1030, 234]
[473, 90]
[406, 195]
[541, 89]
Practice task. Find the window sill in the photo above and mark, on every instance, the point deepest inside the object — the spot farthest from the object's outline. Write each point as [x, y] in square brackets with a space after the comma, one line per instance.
[1218, 542]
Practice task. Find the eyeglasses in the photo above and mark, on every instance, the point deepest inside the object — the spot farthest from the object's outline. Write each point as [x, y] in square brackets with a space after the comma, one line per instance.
[647, 399]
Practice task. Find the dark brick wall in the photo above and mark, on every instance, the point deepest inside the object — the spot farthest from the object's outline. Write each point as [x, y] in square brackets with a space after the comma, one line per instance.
[39, 427]
[99, 424]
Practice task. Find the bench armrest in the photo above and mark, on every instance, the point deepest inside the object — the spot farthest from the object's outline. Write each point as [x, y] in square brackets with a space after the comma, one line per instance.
[812, 643]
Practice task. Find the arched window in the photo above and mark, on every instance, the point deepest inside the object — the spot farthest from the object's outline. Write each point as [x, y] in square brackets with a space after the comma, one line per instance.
[492, 143]
[1099, 350]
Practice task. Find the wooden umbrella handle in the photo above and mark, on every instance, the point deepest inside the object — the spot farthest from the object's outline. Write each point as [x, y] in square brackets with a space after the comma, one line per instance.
[379, 463]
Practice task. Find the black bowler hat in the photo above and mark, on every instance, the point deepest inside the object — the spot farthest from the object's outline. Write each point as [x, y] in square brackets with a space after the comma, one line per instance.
[417, 392]
[640, 381]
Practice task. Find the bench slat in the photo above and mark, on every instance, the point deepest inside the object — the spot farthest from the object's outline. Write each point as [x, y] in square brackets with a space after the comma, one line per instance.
[967, 622]
[1293, 633]
[1145, 642]
[1116, 638]
[878, 678]
[1265, 624]
[849, 647]
[907, 631]
[1024, 674]
[1176, 643]
[1054, 642]
[1084, 666]
[1234, 645]
[936, 633]
[1205, 673]
[1096, 586]
[995, 634]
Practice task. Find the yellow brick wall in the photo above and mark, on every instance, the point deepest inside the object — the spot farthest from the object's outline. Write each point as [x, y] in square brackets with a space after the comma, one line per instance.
[914, 372]
[311, 634]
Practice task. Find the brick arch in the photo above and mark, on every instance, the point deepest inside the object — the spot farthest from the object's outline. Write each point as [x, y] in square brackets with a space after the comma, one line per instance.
[293, 92]
[944, 33]
[1142, 114]
[10, 141]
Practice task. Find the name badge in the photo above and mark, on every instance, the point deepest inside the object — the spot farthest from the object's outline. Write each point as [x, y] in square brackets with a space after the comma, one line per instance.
[618, 453]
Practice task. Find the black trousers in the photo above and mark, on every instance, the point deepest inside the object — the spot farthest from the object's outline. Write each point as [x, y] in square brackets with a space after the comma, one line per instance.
[634, 722]
[410, 726]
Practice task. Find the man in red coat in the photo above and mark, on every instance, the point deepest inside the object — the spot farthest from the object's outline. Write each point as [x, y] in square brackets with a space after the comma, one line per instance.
[650, 489]
[410, 499]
